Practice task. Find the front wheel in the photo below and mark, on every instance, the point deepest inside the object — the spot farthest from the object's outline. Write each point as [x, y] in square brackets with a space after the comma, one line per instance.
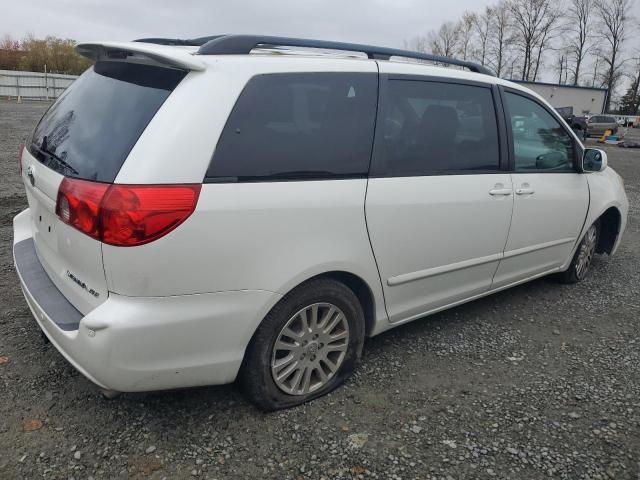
[581, 262]
[306, 346]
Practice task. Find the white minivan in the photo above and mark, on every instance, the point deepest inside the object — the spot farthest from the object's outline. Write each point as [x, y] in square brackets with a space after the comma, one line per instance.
[251, 208]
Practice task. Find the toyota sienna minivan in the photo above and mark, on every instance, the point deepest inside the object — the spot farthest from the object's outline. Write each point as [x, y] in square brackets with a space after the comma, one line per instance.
[252, 208]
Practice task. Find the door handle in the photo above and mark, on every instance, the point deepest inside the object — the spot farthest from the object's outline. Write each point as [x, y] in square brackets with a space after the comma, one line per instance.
[500, 191]
[525, 191]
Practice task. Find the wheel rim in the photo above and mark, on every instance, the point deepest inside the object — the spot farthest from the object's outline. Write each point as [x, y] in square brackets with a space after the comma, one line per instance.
[310, 349]
[587, 249]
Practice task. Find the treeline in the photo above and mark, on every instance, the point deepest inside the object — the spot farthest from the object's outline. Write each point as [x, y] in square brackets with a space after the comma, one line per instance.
[578, 42]
[56, 55]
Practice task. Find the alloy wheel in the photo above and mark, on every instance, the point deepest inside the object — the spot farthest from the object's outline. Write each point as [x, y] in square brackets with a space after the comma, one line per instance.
[310, 349]
[587, 250]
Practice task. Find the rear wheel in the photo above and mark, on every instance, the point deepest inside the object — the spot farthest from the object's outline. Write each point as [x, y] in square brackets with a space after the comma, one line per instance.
[583, 257]
[305, 347]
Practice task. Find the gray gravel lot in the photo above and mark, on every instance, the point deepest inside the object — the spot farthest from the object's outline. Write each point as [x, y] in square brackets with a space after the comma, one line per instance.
[541, 381]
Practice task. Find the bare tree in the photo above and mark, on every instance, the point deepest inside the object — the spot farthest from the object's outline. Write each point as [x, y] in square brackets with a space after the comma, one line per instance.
[613, 16]
[548, 30]
[10, 53]
[445, 40]
[466, 34]
[419, 43]
[534, 22]
[596, 64]
[483, 26]
[579, 29]
[562, 66]
[631, 100]
[499, 38]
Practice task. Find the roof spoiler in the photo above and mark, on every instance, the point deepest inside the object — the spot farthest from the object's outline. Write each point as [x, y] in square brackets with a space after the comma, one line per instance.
[170, 56]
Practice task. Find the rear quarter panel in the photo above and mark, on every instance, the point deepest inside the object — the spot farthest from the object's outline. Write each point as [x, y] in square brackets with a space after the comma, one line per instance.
[254, 236]
[246, 236]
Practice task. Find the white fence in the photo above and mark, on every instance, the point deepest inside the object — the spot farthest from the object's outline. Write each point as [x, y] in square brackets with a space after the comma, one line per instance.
[33, 85]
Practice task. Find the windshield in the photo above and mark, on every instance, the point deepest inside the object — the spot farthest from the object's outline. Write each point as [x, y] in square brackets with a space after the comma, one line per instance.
[88, 132]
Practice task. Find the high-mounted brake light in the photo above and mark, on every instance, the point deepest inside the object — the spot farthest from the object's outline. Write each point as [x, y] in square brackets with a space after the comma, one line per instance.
[125, 215]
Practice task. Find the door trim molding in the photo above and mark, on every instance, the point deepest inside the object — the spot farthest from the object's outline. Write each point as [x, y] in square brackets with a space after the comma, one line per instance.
[466, 300]
[539, 246]
[430, 272]
[452, 267]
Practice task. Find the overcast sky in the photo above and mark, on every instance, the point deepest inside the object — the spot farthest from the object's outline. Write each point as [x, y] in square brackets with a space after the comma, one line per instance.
[381, 22]
[378, 22]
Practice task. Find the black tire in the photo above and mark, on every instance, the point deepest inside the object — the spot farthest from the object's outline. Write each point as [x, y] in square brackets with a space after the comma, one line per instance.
[255, 377]
[573, 274]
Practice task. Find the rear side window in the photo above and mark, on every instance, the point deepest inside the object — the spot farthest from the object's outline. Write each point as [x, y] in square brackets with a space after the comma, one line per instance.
[428, 128]
[298, 126]
[90, 130]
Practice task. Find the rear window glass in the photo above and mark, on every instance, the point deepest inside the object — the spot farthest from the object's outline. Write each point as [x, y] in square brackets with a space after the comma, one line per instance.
[90, 129]
[298, 126]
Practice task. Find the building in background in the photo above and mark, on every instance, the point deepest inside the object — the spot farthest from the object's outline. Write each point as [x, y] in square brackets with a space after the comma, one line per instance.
[583, 100]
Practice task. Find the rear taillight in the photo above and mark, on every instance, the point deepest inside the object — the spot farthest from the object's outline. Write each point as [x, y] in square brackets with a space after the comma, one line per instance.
[137, 214]
[78, 205]
[125, 215]
[20, 150]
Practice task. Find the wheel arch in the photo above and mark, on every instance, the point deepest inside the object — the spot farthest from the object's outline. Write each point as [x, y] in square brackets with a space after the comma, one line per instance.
[361, 290]
[610, 223]
[354, 282]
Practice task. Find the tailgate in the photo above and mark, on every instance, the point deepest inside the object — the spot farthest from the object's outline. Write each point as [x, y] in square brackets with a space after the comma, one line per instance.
[72, 259]
[86, 136]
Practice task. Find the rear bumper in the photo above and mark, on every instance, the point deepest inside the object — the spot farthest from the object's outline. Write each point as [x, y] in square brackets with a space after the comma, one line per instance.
[132, 344]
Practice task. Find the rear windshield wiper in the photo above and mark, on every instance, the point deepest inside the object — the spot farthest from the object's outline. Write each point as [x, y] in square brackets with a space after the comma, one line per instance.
[52, 156]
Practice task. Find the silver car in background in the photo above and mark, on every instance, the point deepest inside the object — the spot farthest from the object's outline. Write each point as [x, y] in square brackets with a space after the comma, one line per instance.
[599, 124]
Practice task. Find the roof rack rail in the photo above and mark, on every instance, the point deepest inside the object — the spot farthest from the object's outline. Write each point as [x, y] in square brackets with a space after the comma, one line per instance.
[243, 44]
[193, 42]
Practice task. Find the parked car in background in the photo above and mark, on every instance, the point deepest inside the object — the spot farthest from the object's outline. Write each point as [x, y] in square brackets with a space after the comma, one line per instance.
[202, 213]
[597, 125]
[576, 122]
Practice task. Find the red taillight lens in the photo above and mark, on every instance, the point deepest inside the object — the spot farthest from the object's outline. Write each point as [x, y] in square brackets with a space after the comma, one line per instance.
[78, 205]
[125, 215]
[138, 214]
[20, 150]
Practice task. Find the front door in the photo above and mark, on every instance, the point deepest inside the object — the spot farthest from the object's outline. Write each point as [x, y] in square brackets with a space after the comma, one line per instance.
[551, 197]
[438, 204]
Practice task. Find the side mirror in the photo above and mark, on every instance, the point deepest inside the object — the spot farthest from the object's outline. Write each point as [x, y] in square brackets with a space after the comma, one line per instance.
[594, 160]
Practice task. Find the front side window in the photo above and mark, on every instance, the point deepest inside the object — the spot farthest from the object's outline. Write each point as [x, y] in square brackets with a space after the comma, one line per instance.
[428, 128]
[298, 126]
[539, 141]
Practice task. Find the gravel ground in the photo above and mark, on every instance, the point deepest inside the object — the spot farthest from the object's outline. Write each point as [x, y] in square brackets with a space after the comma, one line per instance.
[540, 381]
